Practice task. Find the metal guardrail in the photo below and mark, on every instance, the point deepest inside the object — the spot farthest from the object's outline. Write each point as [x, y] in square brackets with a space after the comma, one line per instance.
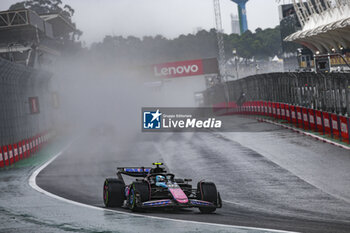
[17, 84]
[326, 92]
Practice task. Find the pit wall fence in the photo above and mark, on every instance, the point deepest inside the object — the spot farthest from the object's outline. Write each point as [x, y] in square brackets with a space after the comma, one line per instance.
[325, 123]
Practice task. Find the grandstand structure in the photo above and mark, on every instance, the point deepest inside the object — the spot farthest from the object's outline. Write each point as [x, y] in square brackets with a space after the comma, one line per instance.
[325, 31]
[31, 39]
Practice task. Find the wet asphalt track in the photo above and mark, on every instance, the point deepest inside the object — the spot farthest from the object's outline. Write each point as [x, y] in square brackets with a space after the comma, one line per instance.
[258, 190]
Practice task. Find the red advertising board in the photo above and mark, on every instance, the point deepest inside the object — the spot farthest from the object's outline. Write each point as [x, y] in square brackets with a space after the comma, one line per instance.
[20, 150]
[2, 163]
[5, 155]
[299, 117]
[219, 108]
[274, 111]
[288, 113]
[34, 105]
[260, 107]
[266, 109]
[335, 126]
[231, 107]
[293, 114]
[283, 111]
[344, 128]
[10, 151]
[15, 152]
[270, 113]
[278, 110]
[326, 123]
[312, 123]
[28, 151]
[305, 118]
[319, 124]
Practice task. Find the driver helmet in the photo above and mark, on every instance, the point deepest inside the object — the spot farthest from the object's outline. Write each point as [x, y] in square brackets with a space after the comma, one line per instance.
[160, 178]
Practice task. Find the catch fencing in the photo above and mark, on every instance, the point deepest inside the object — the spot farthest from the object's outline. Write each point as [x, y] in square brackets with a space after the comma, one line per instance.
[25, 110]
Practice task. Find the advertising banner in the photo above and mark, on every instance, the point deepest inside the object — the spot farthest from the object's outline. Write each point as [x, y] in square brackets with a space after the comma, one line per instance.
[186, 68]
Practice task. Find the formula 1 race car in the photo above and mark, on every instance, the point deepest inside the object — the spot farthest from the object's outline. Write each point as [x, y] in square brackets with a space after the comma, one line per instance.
[158, 189]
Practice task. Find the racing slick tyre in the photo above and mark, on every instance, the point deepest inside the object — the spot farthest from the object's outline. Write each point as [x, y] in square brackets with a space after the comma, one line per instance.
[139, 192]
[206, 191]
[113, 192]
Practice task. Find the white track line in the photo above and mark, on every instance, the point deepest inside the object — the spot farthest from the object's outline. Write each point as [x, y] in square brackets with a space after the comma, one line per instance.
[33, 184]
[305, 133]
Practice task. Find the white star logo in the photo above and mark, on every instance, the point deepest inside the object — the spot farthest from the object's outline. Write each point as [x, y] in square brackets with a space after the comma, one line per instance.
[156, 115]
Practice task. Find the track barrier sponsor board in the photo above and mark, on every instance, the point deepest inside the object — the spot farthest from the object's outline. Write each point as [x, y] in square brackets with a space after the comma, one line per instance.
[15, 152]
[5, 156]
[10, 151]
[326, 123]
[330, 124]
[2, 164]
[335, 126]
[10, 154]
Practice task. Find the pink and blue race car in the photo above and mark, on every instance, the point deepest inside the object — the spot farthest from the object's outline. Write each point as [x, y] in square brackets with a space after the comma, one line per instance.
[155, 188]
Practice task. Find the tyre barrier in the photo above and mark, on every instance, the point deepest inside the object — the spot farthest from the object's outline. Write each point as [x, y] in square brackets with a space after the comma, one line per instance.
[12, 153]
[325, 123]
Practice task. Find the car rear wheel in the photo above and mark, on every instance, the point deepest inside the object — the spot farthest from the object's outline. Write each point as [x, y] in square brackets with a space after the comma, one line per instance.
[206, 191]
[113, 192]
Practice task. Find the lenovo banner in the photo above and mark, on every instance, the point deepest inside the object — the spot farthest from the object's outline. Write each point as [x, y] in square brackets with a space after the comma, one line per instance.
[34, 105]
[186, 68]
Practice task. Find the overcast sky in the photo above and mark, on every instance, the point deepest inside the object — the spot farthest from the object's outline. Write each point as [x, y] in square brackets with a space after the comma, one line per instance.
[97, 18]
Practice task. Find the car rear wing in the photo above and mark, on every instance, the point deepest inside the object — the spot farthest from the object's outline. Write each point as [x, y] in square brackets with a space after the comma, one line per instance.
[134, 171]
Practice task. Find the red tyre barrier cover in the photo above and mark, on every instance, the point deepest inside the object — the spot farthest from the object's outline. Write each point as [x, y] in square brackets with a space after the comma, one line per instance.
[28, 148]
[319, 124]
[24, 149]
[283, 111]
[312, 123]
[36, 140]
[299, 117]
[261, 107]
[266, 108]
[31, 146]
[231, 109]
[2, 163]
[243, 108]
[278, 111]
[326, 123]
[15, 152]
[288, 113]
[269, 107]
[255, 107]
[10, 151]
[20, 150]
[274, 111]
[6, 156]
[247, 107]
[220, 108]
[344, 128]
[335, 126]
[252, 108]
[293, 114]
[305, 118]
